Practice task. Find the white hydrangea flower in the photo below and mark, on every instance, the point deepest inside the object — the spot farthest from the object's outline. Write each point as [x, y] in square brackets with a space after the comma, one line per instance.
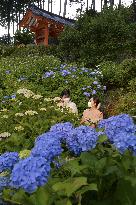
[56, 99]
[27, 93]
[5, 135]
[19, 114]
[36, 97]
[47, 99]
[3, 110]
[42, 109]
[19, 128]
[5, 116]
[31, 112]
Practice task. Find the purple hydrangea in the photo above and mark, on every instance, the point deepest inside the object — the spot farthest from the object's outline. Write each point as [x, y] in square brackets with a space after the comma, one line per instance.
[8, 160]
[30, 173]
[82, 139]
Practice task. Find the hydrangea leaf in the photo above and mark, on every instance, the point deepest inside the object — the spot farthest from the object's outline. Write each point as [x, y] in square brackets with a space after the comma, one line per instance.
[69, 186]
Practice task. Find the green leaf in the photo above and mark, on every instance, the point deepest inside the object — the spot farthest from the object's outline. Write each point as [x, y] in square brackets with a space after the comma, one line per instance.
[102, 138]
[68, 202]
[74, 167]
[90, 187]
[69, 186]
[88, 159]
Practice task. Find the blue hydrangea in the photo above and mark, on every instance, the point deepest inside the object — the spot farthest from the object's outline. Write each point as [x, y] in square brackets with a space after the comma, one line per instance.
[65, 72]
[95, 82]
[116, 124]
[124, 141]
[48, 74]
[4, 182]
[62, 129]
[120, 130]
[82, 139]
[13, 96]
[47, 145]
[93, 92]
[8, 71]
[8, 160]
[86, 94]
[30, 173]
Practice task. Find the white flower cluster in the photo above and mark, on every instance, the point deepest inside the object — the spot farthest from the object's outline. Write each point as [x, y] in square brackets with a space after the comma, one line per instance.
[31, 112]
[4, 135]
[36, 97]
[20, 114]
[4, 110]
[5, 116]
[27, 93]
[42, 109]
[19, 128]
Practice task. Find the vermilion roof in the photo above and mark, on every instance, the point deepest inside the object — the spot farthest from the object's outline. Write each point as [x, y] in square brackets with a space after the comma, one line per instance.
[40, 12]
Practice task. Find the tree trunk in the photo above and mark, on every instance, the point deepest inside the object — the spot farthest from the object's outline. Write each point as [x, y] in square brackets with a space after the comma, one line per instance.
[105, 2]
[87, 5]
[119, 2]
[60, 8]
[48, 5]
[65, 8]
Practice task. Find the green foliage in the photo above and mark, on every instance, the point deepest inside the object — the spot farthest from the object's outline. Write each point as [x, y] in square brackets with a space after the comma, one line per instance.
[107, 36]
[23, 37]
[117, 75]
[100, 176]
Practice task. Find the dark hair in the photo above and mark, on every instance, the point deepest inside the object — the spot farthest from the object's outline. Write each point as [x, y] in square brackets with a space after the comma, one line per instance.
[96, 100]
[66, 93]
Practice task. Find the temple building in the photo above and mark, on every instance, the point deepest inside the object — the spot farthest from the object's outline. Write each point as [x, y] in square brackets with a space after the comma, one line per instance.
[44, 24]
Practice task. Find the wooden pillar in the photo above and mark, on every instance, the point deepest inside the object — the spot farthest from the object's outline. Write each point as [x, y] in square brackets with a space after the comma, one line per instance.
[46, 34]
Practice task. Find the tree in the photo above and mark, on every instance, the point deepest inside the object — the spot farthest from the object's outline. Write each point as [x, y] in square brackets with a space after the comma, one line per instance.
[109, 35]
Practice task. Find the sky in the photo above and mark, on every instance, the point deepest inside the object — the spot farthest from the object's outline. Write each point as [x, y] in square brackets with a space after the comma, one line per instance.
[71, 10]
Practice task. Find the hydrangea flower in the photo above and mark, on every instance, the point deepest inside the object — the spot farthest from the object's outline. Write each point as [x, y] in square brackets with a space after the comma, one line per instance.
[8, 71]
[116, 124]
[62, 129]
[95, 82]
[124, 141]
[48, 74]
[93, 92]
[47, 145]
[81, 139]
[30, 173]
[8, 160]
[65, 72]
[120, 130]
[86, 94]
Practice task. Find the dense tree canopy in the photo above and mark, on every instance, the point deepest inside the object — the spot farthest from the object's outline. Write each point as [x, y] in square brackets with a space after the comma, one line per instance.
[107, 35]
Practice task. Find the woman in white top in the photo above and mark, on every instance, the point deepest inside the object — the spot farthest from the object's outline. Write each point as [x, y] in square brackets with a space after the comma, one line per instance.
[65, 102]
